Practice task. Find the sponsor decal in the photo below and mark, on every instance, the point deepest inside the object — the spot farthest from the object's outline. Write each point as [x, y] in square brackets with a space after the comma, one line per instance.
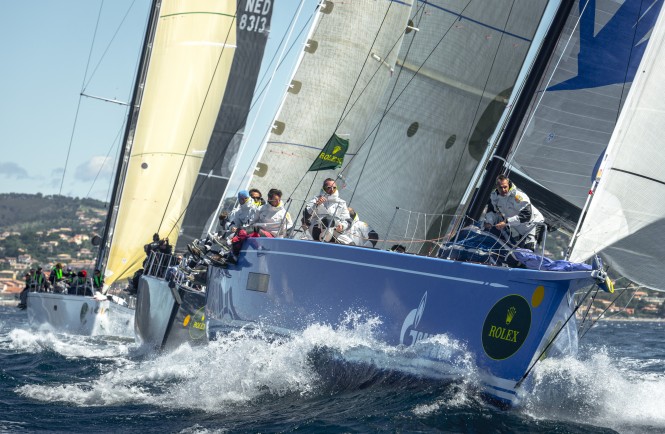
[332, 154]
[506, 327]
[197, 328]
[410, 333]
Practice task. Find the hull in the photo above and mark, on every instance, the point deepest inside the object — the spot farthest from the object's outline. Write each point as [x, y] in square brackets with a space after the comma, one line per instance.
[503, 317]
[168, 317]
[81, 315]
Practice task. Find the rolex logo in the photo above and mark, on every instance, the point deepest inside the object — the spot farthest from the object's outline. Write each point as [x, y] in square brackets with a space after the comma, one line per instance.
[510, 315]
[336, 149]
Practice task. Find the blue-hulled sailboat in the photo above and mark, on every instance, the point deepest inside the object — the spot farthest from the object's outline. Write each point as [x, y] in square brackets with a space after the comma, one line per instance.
[426, 94]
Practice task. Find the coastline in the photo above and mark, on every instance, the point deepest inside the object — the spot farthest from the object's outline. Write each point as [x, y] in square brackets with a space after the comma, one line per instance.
[639, 319]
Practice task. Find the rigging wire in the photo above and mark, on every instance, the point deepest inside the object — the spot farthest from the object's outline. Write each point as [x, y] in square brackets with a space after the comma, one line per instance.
[344, 113]
[108, 46]
[374, 135]
[86, 83]
[480, 100]
[101, 166]
[415, 74]
[78, 106]
[109, 191]
[280, 62]
[600, 316]
[549, 344]
[219, 159]
[630, 55]
[269, 128]
[511, 157]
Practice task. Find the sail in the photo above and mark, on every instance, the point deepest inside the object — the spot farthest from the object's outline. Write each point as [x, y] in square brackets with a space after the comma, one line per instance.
[190, 58]
[626, 217]
[575, 110]
[252, 29]
[345, 67]
[449, 91]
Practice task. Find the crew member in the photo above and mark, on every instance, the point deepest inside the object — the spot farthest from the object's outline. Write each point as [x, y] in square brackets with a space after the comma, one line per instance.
[510, 208]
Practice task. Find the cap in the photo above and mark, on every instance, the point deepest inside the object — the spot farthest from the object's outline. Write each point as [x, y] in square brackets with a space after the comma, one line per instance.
[84, 273]
[243, 194]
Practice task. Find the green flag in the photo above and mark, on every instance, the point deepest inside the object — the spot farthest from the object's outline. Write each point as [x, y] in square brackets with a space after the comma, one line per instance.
[332, 155]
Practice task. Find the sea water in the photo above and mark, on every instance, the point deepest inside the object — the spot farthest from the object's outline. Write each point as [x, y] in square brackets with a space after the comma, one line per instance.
[314, 382]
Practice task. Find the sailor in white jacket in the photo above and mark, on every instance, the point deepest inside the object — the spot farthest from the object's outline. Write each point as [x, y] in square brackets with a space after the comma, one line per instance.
[359, 232]
[244, 213]
[510, 207]
[328, 208]
[272, 216]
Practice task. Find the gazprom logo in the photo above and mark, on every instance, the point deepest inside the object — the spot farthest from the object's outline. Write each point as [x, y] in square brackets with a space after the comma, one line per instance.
[410, 334]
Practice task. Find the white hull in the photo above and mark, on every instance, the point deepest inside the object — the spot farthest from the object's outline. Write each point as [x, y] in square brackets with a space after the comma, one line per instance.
[79, 315]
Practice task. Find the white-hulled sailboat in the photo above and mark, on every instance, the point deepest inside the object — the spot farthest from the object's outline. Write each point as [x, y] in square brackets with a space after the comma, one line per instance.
[177, 104]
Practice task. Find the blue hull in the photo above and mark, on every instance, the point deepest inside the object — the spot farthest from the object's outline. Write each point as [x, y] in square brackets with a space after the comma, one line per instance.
[504, 317]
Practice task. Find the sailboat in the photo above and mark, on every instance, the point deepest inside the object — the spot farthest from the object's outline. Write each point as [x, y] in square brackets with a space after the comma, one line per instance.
[170, 308]
[180, 102]
[426, 95]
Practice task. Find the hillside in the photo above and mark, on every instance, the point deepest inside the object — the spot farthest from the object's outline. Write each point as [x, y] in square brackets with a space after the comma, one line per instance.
[35, 212]
[41, 227]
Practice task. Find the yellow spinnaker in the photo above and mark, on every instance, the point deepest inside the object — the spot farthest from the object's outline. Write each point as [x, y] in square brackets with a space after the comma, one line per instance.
[189, 66]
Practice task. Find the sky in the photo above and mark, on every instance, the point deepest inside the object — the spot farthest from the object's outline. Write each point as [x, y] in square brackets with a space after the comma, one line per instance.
[49, 59]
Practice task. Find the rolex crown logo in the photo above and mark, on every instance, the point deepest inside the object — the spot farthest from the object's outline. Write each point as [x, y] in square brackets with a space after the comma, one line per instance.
[336, 149]
[510, 315]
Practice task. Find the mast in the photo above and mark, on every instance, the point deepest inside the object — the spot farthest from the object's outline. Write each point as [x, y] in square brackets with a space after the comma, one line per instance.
[127, 141]
[495, 166]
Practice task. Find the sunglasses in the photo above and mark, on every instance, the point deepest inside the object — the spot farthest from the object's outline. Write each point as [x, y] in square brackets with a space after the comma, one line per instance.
[256, 197]
[330, 187]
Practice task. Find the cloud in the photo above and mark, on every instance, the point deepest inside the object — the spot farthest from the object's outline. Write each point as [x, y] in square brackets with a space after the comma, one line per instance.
[90, 169]
[13, 170]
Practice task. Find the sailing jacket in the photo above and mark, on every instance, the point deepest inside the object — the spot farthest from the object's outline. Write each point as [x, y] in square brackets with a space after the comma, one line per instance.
[275, 218]
[361, 233]
[334, 207]
[515, 208]
[243, 214]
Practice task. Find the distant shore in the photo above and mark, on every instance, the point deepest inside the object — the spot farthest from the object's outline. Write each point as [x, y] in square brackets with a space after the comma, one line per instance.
[639, 319]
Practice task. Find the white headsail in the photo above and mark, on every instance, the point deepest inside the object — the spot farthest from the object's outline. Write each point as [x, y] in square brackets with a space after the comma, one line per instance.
[626, 218]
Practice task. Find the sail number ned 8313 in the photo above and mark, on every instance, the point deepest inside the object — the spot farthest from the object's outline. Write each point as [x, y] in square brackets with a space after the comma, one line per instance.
[253, 19]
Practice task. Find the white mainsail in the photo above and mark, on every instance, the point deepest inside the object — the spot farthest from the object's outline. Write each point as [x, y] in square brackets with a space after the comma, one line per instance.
[626, 217]
[339, 77]
[450, 88]
[189, 65]
[444, 96]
